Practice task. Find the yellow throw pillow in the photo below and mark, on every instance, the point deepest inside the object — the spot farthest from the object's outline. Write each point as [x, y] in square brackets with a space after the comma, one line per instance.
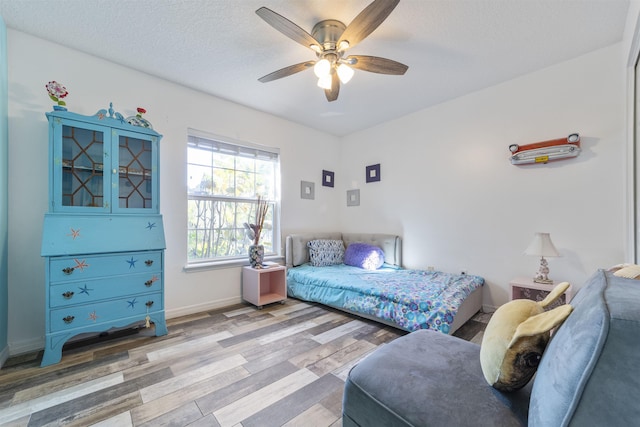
[516, 336]
[631, 271]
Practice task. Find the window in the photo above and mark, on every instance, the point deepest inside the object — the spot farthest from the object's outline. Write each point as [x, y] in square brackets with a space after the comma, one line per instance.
[224, 183]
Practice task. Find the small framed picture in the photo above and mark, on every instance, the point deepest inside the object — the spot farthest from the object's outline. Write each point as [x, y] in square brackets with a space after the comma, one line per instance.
[373, 173]
[353, 197]
[327, 178]
[307, 190]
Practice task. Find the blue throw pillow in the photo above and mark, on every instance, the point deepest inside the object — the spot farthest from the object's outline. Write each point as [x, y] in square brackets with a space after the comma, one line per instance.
[365, 256]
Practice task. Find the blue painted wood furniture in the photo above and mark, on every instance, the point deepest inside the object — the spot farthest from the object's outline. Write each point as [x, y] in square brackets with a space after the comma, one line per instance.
[103, 237]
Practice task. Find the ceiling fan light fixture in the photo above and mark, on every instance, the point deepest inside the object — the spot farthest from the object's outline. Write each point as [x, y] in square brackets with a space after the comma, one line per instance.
[343, 45]
[322, 68]
[345, 73]
[330, 39]
[325, 82]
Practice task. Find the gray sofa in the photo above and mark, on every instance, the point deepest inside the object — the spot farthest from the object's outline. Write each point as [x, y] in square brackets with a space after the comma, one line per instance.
[588, 375]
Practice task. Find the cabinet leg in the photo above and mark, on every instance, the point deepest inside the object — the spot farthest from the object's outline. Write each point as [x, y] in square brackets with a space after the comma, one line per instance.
[160, 324]
[52, 350]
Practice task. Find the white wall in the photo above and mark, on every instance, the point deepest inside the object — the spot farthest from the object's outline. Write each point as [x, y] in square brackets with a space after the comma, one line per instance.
[92, 84]
[4, 207]
[448, 186]
[631, 46]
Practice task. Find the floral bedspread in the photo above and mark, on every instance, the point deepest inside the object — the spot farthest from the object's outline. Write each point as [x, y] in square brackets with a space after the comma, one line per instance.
[412, 299]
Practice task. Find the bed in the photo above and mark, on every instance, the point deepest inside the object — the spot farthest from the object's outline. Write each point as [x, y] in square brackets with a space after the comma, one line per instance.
[404, 298]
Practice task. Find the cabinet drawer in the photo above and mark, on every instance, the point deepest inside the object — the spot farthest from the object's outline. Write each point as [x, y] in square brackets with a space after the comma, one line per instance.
[104, 313]
[83, 292]
[94, 266]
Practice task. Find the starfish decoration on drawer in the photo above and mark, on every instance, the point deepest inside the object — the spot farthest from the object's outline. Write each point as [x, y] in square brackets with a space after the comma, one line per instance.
[74, 233]
[151, 225]
[84, 289]
[93, 316]
[132, 303]
[80, 265]
[132, 262]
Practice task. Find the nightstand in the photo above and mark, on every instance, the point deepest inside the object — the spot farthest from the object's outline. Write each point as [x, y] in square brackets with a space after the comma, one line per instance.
[262, 286]
[526, 288]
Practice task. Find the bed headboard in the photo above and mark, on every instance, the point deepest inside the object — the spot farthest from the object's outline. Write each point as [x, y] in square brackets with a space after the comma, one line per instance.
[296, 252]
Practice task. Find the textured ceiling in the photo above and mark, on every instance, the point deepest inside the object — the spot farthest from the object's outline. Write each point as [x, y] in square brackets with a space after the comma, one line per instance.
[221, 47]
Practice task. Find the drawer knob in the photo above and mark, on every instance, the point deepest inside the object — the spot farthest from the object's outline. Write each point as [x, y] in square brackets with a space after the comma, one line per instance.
[149, 262]
[148, 283]
[149, 304]
[68, 319]
[67, 295]
[67, 270]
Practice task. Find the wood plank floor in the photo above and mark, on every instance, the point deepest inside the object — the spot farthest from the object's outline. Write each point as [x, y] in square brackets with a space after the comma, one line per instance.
[284, 365]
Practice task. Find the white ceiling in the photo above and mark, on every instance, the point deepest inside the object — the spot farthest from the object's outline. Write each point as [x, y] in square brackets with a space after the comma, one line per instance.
[221, 47]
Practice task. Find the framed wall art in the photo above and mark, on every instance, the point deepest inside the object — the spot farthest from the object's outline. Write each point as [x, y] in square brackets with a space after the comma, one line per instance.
[353, 197]
[327, 178]
[307, 190]
[373, 173]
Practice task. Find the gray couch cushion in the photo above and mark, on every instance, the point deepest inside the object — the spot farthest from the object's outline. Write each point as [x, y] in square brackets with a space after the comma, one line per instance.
[428, 378]
[588, 373]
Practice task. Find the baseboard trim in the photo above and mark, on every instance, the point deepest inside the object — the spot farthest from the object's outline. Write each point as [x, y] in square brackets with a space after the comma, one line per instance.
[26, 346]
[199, 308]
[488, 308]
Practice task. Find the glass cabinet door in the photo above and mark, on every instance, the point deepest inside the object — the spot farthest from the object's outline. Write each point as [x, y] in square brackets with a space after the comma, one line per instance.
[79, 181]
[101, 169]
[136, 176]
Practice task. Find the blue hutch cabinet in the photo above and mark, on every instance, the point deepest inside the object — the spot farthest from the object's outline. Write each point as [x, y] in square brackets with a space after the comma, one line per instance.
[103, 237]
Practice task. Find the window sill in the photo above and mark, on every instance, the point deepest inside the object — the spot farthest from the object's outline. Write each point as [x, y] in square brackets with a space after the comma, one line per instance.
[236, 263]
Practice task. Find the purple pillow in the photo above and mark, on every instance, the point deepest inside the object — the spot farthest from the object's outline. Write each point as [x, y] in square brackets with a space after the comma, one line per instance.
[365, 256]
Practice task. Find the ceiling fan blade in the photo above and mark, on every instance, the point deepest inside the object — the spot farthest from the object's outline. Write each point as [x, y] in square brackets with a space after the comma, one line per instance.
[375, 64]
[287, 71]
[287, 27]
[367, 21]
[332, 94]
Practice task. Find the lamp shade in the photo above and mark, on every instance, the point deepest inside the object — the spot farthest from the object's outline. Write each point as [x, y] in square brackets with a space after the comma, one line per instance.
[345, 73]
[322, 68]
[541, 245]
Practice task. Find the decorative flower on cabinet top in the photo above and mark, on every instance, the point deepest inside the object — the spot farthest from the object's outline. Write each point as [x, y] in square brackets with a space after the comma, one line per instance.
[57, 92]
[138, 120]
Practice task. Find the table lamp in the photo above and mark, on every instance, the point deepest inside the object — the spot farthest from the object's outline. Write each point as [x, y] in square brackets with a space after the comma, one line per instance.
[542, 246]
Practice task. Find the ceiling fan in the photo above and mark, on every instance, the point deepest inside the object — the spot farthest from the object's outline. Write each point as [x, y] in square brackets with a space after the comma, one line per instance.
[330, 39]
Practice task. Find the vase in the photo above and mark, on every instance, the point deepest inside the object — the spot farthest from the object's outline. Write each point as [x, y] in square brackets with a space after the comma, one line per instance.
[59, 108]
[256, 255]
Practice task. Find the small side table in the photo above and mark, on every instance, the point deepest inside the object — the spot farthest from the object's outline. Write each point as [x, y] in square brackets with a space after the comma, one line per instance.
[526, 288]
[261, 286]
